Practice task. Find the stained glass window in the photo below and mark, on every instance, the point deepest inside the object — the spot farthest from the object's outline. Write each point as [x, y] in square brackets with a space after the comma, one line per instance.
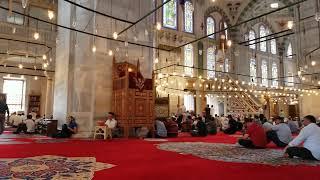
[188, 60]
[210, 26]
[275, 75]
[289, 51]
[253, 71]
[211, 62]
[264, 73]
[226, 65]
[170, 14]
[263, 42]
[189, 102]
[273, 46]
[252, 36]
[188, 17]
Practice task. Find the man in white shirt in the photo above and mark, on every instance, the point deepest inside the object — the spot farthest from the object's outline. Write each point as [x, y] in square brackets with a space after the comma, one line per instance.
[309, 136]
[16, 120]
[280, 134]
[30, 124]
[111, 123]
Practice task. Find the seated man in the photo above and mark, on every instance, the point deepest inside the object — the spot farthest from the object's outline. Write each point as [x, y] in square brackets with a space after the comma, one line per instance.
[172, 127]
[31, 126]
[111, 123]
[15, 120]
[233, 126]
[161, 131]
[255, 136]
[200, 128]
[293, 125]
[280, 134]
[68, 129]
[28, 126]
[309, 136]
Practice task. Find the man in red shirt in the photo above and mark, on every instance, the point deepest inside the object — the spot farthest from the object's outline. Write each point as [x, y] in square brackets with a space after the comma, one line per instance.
[255, 136]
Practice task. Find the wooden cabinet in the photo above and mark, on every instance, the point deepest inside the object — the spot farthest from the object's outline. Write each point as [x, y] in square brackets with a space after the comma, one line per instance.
[34, 104]
[133, 99]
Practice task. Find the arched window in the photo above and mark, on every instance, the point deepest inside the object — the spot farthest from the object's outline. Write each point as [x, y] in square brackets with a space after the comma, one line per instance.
[210, 26]
[263, 42]
[226, 65]
[274, 75]
[253, 71]
[252, 36]
[211, 61]
[188, 17]
[170, 14]
[273, 46]
[189, 102]
[289, 51]
[290, 79]
[225, 31]
[188, 60]
[264, 73]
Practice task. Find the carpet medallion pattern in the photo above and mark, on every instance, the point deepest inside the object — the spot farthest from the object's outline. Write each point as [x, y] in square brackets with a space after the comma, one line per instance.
[233, 153]
[50, 167]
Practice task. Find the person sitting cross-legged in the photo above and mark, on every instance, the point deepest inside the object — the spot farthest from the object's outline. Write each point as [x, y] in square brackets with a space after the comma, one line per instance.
[200, 128]
[68, 129]
[233, 126]
[255, 136]
[161, 131]
[28, 126]
[309, 136]
[280, 134]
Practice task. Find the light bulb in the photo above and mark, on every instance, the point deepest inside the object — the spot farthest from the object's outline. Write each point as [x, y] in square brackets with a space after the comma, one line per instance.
[44, 57]
[290, 24]
[115, 35]
[45, 65]
[50, 14]
[36, 35]
[14, 30]
[229, 43]
[313, 63]
[110, 53]
[20, 66]
[303, 78]
[36, 78]
[274, 5]
[156, 60]
[158, 26]
[94, 48]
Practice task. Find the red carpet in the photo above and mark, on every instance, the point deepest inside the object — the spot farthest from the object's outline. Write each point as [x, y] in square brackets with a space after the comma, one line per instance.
[139, 159]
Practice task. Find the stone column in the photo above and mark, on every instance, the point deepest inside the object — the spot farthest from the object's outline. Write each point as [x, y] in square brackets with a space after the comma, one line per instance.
[75, 64]
[49, 97]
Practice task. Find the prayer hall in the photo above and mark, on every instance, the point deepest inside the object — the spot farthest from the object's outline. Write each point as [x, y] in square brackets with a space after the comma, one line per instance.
[159, 89]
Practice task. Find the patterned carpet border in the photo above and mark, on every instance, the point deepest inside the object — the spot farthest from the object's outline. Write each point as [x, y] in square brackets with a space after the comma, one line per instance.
[234, 153]
[51, 167]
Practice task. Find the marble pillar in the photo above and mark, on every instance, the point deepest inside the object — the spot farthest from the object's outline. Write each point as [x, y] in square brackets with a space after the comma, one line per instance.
[83, 78]
[49, 97]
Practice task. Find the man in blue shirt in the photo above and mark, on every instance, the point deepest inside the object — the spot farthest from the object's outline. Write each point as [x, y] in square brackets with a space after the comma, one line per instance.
[161, 129]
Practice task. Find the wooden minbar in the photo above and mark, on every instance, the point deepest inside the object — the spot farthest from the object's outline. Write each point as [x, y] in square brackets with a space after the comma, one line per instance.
[133, 99]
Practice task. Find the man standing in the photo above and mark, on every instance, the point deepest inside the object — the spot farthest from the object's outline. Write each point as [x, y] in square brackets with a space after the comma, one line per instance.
[3, 109]
[309, 137]
[207, 110]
